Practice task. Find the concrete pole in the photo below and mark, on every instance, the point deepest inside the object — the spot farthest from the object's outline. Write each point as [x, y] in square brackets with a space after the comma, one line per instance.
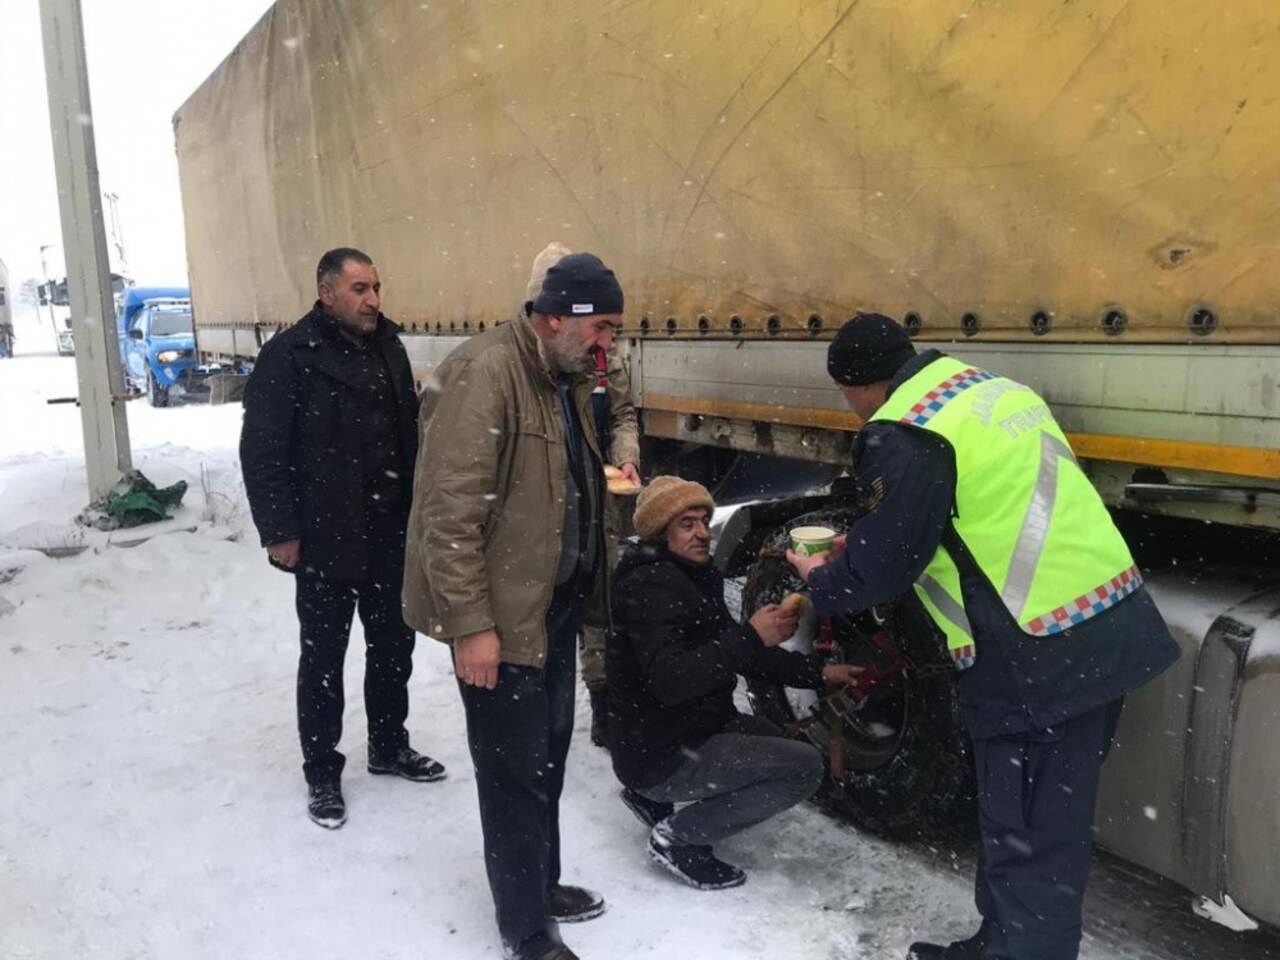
[102, 416]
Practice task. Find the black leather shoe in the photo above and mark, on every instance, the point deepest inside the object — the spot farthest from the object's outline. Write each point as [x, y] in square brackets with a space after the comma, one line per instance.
[573, 904]
[407, 763]
[647, 811]
[970, 949]
[325, 805]
[927, 951]
[541, 946]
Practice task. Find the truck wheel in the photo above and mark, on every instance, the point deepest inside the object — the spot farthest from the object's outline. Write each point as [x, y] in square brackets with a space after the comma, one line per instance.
[908, 764]
[157, 395]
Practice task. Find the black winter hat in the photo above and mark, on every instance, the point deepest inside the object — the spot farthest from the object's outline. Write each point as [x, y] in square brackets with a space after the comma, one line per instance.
[867, 349]
[578, 285]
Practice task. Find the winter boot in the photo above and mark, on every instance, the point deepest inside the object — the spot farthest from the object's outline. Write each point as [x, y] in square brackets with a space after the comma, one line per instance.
[541, 946]
[325, 805]
[573, 904]
[694, 864]
[407, 763]
[600, 717]
[647, 811]
[970, 949]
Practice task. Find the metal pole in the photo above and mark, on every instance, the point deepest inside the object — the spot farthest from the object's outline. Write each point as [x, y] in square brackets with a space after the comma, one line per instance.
[117, 231]
[48, 293]
[106, 429]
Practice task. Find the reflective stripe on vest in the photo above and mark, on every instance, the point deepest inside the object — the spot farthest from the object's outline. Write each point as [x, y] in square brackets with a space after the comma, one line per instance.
[954, 621]
[1025, 511]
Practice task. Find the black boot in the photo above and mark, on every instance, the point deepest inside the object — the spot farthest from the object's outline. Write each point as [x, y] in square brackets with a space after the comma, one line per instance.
[541, 946]
[573, 904]
[970, 949]
[325, 805]
[647, 811]
[694, 864]
[600, 717]
[407, 763]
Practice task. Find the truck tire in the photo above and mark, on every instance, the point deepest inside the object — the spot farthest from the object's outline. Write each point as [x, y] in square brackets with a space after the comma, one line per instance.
[908, 763]
[157, 395]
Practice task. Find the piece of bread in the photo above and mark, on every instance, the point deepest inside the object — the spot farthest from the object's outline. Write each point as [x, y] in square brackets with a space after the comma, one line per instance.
[794, 604]
[622, 487]
[611, 472]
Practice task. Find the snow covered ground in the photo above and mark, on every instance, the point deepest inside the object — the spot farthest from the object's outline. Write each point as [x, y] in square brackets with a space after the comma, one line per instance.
[152, 803]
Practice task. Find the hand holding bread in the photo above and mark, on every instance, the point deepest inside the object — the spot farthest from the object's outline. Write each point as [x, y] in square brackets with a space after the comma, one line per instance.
[795, 604]
[619, 483]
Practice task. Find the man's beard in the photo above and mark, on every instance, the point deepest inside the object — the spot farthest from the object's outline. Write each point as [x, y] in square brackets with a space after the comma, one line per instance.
[567, 352]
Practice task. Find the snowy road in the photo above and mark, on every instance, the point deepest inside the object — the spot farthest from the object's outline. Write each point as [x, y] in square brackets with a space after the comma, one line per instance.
[153, 805]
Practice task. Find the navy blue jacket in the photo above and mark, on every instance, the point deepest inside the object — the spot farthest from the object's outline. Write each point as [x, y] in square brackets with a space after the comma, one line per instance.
[1019, 682]
[302, 448]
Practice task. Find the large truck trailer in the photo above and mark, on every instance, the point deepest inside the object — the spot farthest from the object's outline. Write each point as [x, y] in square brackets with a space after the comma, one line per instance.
[1083, 196]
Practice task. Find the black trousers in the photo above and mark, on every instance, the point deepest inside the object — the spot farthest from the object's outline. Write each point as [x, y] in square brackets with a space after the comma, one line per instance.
[325, 610]
[519, 735]
[1036, 798]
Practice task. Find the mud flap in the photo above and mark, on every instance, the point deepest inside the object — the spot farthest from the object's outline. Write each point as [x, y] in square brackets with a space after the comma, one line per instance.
[1219, 683]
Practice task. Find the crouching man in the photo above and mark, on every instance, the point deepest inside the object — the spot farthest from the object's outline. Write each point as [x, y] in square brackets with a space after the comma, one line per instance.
[673, 661]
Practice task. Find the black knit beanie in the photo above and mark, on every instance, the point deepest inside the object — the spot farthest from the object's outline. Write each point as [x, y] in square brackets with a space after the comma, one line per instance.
[578, 285]
[867, 349]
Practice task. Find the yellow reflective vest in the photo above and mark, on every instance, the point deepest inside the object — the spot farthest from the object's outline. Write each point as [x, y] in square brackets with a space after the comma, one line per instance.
[1024, 510]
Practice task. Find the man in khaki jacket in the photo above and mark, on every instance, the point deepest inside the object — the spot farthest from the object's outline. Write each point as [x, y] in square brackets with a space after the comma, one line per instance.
[618, 434]
[505, 561]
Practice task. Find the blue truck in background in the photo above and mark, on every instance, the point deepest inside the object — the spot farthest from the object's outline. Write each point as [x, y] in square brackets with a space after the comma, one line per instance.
[158, 345]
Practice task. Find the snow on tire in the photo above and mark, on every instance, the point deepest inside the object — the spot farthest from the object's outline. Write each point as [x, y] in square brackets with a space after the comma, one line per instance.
[908, 765]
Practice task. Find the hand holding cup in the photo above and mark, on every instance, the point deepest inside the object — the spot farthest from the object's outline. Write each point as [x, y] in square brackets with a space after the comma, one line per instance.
[813, 547]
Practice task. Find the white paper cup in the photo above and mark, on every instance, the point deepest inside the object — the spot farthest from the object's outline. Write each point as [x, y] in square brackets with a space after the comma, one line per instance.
[807, 541]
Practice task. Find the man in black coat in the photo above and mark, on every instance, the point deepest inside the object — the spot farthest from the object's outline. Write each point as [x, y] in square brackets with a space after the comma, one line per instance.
[327, 449]
[673, 661]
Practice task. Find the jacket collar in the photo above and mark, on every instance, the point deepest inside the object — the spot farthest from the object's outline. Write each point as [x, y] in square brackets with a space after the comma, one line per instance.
[325, 324]
[653, 551]
[319, 327]
[534, 352]
[912, 367]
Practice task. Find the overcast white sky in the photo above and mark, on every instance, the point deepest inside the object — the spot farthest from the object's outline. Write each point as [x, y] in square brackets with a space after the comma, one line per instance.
[145, 58]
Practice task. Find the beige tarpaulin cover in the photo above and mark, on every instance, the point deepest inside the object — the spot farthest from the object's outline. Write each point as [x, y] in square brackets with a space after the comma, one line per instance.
[776, 158]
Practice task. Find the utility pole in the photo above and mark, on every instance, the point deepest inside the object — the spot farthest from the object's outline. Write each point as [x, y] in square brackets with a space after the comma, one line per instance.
[48, 293]
[117, 233]
[102, 416]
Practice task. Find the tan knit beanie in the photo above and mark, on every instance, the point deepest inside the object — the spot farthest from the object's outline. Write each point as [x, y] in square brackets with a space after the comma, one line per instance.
[664, 499]
[551, 254]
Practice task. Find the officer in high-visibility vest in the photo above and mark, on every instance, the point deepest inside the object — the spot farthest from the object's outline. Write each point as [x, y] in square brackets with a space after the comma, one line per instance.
[983, 511]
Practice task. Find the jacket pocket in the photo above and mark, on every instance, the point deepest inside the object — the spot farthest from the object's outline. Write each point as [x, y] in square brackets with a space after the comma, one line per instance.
[520, 503]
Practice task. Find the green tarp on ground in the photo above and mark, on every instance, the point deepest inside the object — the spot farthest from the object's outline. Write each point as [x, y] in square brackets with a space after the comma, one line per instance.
[136, 500]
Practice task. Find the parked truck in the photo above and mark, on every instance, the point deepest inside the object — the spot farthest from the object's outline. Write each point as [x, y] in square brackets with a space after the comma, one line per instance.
[1082, 196]
[157, 344]
[53, 294]
[6, 314]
